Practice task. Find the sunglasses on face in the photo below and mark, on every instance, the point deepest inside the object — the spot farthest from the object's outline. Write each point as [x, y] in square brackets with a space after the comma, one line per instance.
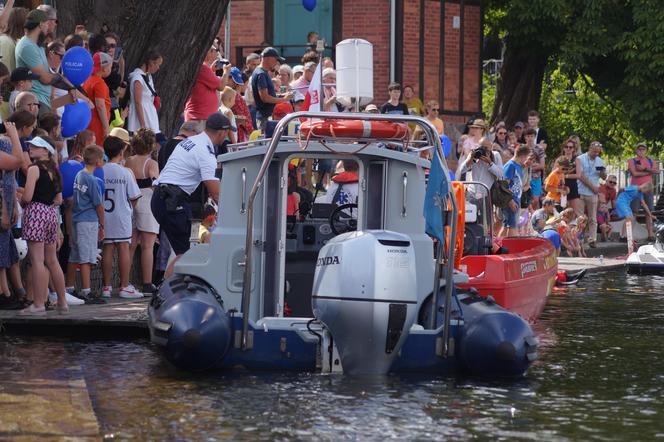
[569, 147]
[612, 182]
[111, 45]
[435, 109]
[502, 133]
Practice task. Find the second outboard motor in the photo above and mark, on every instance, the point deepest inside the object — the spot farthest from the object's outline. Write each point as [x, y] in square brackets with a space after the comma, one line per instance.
[365, 292]
[187, 319]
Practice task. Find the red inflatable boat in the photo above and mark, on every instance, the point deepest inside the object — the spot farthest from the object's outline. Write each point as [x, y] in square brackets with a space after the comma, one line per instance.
[519, 280]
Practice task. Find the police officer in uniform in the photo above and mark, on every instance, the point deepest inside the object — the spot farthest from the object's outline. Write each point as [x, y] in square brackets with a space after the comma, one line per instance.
[192, 162]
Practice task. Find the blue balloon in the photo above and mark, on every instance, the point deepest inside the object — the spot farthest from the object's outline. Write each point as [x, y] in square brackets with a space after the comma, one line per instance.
[77, 65]
[309, 5]
[75, 118]
[68, 170]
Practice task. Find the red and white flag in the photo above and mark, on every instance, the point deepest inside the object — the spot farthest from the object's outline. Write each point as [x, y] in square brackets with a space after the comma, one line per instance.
[312, 99]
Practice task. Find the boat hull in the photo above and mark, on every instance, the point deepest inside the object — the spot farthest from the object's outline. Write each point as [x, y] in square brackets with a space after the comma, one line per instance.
[648, 259]
[487, 339]
[520, 280]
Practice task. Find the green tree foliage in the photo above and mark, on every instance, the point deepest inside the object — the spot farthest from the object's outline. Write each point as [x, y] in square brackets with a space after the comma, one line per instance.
[616, 49]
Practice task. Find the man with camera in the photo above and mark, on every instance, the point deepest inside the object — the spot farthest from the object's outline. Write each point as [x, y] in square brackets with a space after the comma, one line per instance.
[203, 100]
[484, 165]
[590, 168]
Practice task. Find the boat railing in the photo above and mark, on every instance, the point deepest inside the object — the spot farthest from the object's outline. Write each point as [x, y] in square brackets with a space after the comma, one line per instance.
[432, 138]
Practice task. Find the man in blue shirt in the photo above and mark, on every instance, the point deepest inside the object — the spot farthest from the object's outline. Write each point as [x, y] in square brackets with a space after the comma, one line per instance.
[590, 168]
[513, 172]
[263, 90]
[30, 54]
[625, 200]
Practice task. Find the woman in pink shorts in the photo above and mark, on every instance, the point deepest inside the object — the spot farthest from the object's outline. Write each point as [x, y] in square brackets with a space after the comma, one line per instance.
[42, 195]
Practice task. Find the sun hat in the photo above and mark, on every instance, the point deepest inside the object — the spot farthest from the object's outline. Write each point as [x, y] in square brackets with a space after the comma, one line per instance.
[40, 142]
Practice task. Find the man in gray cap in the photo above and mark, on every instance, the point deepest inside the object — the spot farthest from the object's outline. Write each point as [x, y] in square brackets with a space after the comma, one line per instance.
[265, 95]
[52, 15]
[192, 162]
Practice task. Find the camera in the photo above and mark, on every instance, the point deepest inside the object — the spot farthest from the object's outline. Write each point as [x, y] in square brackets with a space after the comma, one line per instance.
[479, 153]
[219, 65]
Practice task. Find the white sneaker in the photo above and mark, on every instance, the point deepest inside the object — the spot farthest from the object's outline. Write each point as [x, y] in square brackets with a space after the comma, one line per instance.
[130, 292]
[106, 291]
[72, 300]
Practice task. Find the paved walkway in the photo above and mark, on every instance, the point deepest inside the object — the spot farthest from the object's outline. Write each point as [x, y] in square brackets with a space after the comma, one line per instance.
[117, 314]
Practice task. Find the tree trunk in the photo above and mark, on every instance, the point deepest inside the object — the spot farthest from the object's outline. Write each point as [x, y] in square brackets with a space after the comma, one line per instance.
[182, 31]
[520, 86]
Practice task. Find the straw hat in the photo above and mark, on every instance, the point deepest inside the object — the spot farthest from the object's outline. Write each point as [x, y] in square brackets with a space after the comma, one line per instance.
[478, 123]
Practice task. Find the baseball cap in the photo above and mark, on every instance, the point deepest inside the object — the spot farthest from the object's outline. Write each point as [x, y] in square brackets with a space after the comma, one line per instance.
[271, 52]
[297, 97]
[217, 121]
[236, 75]
[40, 142]
[519, 124]
[120, 133]
[298, 68]
[642, 144]
[35, 17]
[371, 108]
[548, 201]
[23, 73]
[100, 61]
[281, 110]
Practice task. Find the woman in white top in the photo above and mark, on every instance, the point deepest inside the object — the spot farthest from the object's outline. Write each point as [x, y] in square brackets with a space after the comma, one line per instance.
[227, 102]
[142, 109]
[146, 228]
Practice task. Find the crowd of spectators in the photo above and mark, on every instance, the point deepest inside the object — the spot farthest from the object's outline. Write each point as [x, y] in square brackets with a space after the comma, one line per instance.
[124, 184]
[570, 199]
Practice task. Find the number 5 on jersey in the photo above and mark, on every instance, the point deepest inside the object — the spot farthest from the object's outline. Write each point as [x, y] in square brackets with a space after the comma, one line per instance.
[108, 197]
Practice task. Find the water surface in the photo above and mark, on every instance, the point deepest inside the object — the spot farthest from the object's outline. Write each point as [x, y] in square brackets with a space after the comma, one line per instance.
[599, 377]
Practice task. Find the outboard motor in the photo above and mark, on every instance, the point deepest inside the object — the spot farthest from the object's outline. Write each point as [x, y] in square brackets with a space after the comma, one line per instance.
[365, 294]
[187, 319]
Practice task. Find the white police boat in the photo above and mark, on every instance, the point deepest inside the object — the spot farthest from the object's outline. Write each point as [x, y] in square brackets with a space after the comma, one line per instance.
[353, 289]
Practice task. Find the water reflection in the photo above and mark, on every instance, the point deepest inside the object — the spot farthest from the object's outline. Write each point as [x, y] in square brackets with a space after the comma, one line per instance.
[598, 377]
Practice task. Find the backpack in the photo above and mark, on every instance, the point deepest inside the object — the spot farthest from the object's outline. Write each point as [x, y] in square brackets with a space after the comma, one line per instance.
[501, 195]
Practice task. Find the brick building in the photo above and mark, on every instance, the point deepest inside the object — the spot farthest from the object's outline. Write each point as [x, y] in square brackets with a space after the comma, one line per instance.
[432, 45]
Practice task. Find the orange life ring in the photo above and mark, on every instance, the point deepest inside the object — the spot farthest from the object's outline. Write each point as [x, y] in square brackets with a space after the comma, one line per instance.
[355, 129]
